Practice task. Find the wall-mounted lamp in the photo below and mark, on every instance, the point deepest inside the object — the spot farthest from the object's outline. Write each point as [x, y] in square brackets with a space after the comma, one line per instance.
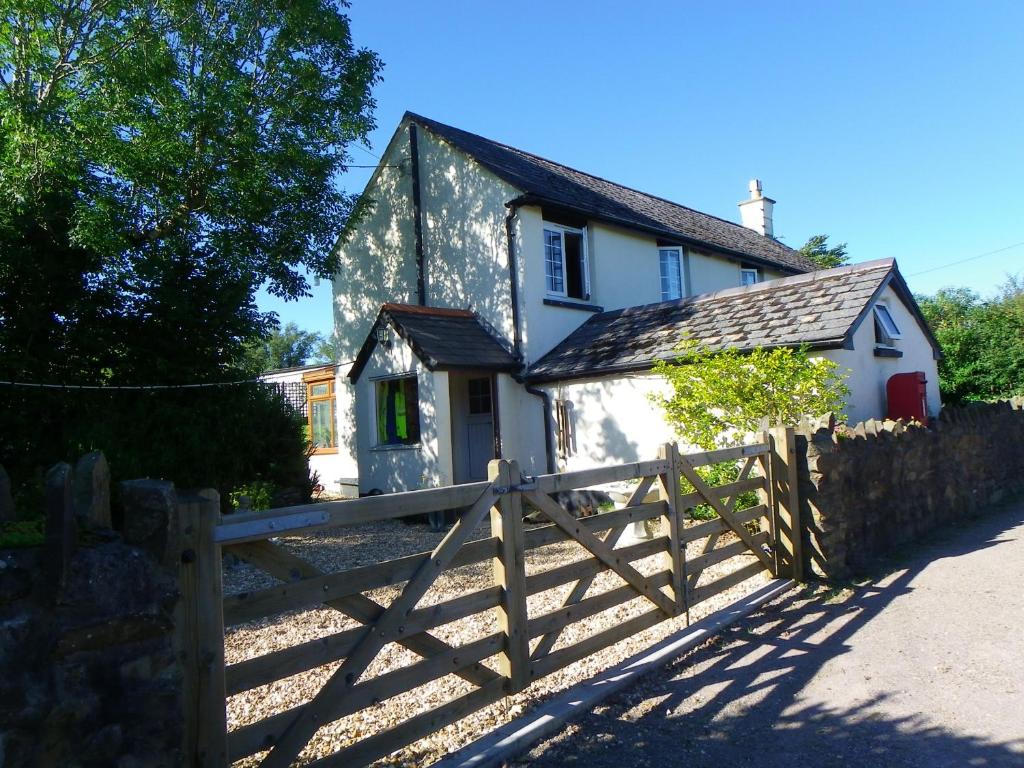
[383, 334]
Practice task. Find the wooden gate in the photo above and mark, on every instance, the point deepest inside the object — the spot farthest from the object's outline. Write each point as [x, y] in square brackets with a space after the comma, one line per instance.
[524, 647]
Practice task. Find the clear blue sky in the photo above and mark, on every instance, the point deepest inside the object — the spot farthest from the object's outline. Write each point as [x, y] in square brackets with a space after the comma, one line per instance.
[895, 127]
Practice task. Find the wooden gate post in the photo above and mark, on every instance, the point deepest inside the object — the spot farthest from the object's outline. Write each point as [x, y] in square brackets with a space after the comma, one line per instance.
[675, 558]
[784, 496]
[510, 573]
[201, 632]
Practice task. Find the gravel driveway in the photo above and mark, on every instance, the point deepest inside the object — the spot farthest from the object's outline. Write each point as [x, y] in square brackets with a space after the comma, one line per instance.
[921, 667]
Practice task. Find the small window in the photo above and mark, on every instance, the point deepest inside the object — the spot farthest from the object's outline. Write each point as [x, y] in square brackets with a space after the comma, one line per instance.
[749, 276]
[479, 396]
[565, 262]
[566, 428]
[671, 276]
[886, 330]
[320, 415]
[398, 412]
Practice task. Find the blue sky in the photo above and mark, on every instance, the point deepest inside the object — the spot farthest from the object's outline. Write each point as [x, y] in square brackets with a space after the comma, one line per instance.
[895, 127]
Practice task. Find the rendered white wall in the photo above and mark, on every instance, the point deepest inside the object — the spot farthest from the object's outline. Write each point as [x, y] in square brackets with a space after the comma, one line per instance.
[521, 426]
[403, 468]
[868, 374]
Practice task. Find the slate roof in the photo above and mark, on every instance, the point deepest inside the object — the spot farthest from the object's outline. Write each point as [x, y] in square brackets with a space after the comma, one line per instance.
[820, 309]
[442, 338]
[544, 181]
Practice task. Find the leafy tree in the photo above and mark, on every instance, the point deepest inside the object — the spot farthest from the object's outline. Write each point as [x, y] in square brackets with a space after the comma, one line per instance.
[286, 348]
[816, 249]
[982, 341]
[717, 398]
[161, 161]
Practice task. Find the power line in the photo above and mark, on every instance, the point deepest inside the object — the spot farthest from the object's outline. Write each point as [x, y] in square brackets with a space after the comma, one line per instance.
[969, 258]
[371, 154]
[142, 387]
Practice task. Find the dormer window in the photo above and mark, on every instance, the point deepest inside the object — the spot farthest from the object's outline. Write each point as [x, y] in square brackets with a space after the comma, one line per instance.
[749, 276]
[886, 330]
[565, 262]
[671, 274]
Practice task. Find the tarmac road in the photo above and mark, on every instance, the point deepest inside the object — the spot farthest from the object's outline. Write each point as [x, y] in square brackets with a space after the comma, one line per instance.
[922, 667]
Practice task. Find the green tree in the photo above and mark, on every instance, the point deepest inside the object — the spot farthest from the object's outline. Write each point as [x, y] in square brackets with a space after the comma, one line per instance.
[717, 398]
[286, 347]
[982, 341]
[817, 250]
[160, 162]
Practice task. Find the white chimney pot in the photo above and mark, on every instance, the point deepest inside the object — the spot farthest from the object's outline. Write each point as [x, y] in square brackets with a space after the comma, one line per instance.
[756, 213]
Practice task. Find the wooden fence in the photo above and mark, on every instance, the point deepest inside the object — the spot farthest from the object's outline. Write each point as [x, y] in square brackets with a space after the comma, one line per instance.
[524, 648]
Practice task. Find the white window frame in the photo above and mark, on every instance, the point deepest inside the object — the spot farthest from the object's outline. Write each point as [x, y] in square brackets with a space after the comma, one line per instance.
[744, 271]
[679, 272]
[885, 319]
[584, 261]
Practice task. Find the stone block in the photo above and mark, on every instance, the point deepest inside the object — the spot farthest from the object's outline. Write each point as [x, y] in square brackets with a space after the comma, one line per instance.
[150, 516]
[92, 490]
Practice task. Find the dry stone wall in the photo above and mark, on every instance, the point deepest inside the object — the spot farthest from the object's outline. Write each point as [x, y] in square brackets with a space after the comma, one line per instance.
[872, 487]
[90, 674]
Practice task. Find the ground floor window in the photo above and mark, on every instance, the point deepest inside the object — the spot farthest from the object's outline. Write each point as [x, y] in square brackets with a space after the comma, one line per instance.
[320, 414]
[398, 411]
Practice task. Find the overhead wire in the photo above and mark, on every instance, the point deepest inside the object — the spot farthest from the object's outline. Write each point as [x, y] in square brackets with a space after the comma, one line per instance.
[969, 258]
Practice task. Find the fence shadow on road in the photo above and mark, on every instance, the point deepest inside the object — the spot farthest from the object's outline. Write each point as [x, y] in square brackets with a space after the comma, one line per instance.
[736, 701]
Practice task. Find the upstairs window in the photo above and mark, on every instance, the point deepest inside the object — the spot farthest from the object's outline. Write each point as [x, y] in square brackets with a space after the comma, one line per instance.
[671, 274]
[749, 276]
[398, 411]
[886, 330]
[565, 262]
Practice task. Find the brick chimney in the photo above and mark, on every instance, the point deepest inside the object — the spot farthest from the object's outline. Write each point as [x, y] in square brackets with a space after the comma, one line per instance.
[756, 213]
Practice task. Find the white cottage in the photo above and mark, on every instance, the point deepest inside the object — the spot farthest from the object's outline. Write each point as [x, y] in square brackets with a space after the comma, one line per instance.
[494, 303]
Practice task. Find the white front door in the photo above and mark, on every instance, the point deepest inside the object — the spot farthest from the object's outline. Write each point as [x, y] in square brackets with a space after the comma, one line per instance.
[479, 427]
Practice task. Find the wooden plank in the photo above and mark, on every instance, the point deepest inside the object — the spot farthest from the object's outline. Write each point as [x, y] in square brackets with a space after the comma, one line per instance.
[249, 606]
[585, 478]
[387, 628]
[263, 734]
[710, 527]
[509, 569]
[675, 558]
[786, 500]
[282, 564]
[601, 550]
[579, 590]
[565, 656]
[542, 536]
[699, 563]
[211, 723]
[556, 620]
[688, 500]
[386, 742]
[702, 488]
[563, 574]
[726, 582]
[186, 640]
[724, 454]
[250, 526]
[311, 654]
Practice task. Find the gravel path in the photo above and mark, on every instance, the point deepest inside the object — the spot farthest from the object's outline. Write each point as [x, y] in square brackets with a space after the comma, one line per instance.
[919, 668]
[344, 548]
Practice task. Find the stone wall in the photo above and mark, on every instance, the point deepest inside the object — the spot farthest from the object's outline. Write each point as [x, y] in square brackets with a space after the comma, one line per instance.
[869, 488]
[89, 672]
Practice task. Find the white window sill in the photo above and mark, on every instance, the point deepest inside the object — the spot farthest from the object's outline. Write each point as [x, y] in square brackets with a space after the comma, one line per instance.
[397, 447]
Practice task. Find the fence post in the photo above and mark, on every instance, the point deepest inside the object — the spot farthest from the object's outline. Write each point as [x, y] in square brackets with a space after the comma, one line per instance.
[201, 632]
[675, 558]
[510, 573]
[784, 496]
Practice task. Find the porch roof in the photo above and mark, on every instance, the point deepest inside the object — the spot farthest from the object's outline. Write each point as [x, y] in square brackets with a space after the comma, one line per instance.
[818, 309]
[442, 338]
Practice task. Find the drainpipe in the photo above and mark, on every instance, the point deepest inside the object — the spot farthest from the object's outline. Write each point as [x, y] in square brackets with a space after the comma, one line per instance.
[549, 447]
[513, 275]
[417, 218]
